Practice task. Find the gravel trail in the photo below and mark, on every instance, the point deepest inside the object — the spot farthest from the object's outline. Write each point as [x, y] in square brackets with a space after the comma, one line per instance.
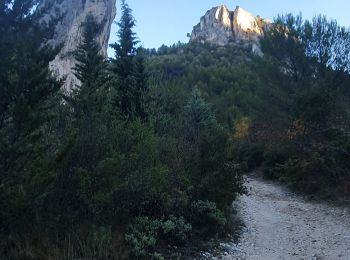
[282, 225]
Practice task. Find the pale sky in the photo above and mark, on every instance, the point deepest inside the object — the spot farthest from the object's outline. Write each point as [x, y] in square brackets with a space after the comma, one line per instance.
[167, 22]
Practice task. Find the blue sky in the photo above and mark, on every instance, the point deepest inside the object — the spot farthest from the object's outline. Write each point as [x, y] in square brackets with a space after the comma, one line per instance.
[168, 21]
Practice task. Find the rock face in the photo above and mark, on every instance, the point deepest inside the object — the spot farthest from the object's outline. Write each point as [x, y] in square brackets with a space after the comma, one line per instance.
[68, 30]
[220, 26]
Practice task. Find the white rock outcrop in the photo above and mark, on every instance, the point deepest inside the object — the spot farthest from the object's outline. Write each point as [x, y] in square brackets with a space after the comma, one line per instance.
[215, 27]
[68, 31]
[220, 26]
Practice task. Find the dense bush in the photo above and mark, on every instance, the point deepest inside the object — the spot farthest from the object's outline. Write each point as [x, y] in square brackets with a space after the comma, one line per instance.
[145, 236]
[206, 214]
[309, 147]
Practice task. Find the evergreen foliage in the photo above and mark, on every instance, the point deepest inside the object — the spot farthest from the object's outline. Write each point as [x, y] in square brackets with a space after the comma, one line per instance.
[108, 176]
[129, 68]
[314, 86]
[145, 157]
[27, 98]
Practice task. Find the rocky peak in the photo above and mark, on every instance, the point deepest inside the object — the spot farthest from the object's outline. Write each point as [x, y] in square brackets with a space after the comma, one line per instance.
[68, 30]
[219, 26]
[245, 25]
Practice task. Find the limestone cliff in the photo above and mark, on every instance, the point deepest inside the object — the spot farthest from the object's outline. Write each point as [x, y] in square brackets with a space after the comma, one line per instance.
[68, 31]
[219, 26]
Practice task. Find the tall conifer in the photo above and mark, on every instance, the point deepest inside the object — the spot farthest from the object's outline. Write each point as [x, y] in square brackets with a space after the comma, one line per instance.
[128, 67]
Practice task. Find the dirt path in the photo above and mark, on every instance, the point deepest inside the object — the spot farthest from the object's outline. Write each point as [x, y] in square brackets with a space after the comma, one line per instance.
[281, 225]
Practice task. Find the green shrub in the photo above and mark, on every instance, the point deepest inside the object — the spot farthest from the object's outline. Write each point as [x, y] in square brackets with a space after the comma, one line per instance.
[273, 158]
[142, 236]
[145, 235]
[176, 230]
[207, 217]
[249, 155]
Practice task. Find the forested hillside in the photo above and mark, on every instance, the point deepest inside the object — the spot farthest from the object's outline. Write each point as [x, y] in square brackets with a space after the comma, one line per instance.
[144, 158]
[115, 169]
[287, 112]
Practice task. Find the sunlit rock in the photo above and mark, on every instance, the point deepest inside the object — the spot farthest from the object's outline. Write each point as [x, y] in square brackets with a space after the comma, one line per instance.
[68, 31]
[220, 26]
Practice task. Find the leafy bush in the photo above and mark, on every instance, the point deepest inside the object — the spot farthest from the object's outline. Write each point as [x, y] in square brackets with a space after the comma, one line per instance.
[142, 236]
[250, 155]
[176, 230]
[145, 236]
[208, 217]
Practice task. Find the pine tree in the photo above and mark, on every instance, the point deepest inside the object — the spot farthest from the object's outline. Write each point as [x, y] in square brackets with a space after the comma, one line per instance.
[88, 100]
[205, 146]
[126, 48]
[141, 85]
[27, 97]
[128, 66]
[89, 61]
[88, 69]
